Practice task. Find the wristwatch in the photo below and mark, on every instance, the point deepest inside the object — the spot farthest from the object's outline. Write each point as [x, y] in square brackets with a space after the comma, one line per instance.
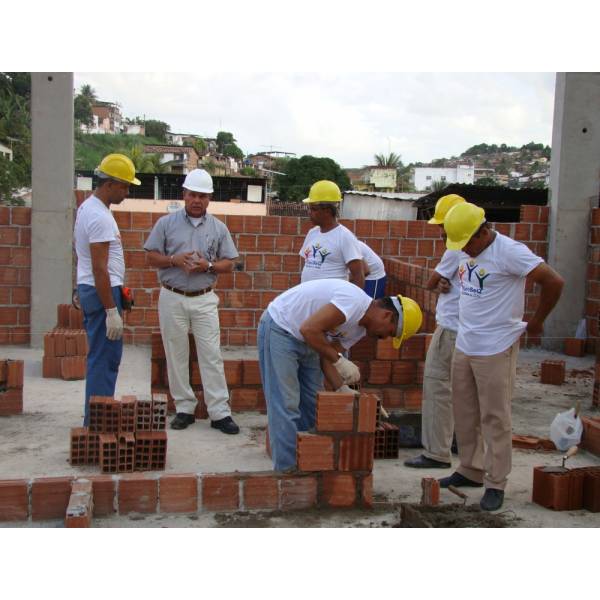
[211, 268]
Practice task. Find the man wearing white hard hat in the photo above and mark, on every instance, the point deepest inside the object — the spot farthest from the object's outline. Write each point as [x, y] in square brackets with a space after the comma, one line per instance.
[191, 248]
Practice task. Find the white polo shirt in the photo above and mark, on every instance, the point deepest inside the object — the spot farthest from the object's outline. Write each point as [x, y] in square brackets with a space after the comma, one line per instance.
[95, 223]
[492, 296]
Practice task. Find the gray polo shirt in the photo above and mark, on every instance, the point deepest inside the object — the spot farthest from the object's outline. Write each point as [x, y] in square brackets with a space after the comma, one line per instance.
[175, 234]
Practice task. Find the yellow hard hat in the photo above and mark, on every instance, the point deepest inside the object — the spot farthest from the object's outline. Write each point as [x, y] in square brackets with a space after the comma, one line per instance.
[119, 167]
[412, 318]
[443, 205]
[461, 222]
[323, 191]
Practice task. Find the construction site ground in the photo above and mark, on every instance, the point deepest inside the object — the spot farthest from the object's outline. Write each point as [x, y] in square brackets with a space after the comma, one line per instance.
[36, 444]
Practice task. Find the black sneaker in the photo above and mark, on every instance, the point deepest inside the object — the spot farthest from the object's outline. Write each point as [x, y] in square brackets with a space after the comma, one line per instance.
[424, 462]
[458, 480]
[492, 499]
[182, 420]
[226, 425]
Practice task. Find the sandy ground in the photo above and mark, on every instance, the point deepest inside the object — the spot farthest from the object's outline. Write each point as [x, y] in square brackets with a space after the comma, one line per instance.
[36, 444]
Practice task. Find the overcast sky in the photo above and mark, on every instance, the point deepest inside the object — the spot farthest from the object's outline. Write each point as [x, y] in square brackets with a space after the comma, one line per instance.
[348, 117]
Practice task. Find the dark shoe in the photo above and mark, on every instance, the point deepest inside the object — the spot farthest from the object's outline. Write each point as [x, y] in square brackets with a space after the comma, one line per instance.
[423, 462]
[226, 425]
[182, 420]
[492, 499]
[458, 480]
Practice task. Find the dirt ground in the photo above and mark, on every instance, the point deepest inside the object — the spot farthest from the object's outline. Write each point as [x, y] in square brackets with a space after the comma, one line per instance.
[36, 444]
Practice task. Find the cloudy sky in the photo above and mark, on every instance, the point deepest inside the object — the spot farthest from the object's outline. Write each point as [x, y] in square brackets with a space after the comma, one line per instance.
[347, 116]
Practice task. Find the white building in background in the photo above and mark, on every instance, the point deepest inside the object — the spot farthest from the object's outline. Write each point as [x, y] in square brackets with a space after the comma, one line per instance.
[425, 177]
[379, 206]
[6, 152]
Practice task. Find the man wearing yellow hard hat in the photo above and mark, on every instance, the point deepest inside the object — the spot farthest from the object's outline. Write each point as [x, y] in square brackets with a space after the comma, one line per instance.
[101, 273]
[492, 271]
[315, 321]
[437, 422]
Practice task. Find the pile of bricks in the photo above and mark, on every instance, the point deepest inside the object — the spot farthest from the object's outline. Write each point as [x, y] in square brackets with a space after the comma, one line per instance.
[124, 435]
[242, 376]
[387, 441]
[342, 449]
[65, 347]
[590, 440]
[11, 387]
[573, 489]
[553, 372]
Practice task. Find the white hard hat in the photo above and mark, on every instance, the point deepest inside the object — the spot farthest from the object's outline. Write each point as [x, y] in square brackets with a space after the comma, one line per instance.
[199, 180]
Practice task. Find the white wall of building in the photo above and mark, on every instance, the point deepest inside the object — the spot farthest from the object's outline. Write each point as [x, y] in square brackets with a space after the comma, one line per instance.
[424, 177]
[378, 208]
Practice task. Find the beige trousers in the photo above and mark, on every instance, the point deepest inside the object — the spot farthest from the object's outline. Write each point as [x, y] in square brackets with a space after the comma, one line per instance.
[482, 389]
[178, 316]
[437, 425]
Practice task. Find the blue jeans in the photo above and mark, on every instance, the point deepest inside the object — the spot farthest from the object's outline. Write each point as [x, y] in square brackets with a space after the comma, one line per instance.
[375, 287]
[291, 376]
[104, 355]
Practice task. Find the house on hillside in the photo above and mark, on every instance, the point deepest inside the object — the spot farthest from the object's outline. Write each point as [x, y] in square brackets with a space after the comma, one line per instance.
[379, 206]
[107, 118]
[6, 152]
[177, 159]
[373, 179]
[425, 177]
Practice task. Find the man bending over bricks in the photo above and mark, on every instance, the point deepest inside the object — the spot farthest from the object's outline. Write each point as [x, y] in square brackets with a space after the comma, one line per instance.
[492, 271]
[190, 248]
[313, 321]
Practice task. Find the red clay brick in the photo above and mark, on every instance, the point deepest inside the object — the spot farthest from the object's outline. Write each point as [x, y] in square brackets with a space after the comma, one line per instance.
[104, 489]
[386, 351]
[80, 507]
[356, 453]
[314, 452]
[251, 373]
[367, 413]
[50, 497]
[261, 492]
[14, 374]
[574, 347]
[339, 489]
[430, 491]
[404, 372]
[246, 399]
[413, 348]
[14, 500]
[11, 402]
[380, 372]
[137, 493]
[220, 492]
[178, 493]
[233, 372]
[298, 492]
[367, 491]
[553, 372]
[335, 411]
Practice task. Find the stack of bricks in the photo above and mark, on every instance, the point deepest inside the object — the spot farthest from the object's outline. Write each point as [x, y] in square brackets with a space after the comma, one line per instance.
[590, 440]
[11, 387]
[65, 347]
[395, 375]
[124, 435]
[387, 441]
[553, 372]
[342, 449]
[572, 489]
[242, 376]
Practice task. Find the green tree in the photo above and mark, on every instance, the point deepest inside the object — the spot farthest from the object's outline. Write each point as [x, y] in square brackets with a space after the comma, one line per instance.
[391, 160]
[489, 181]
[438, 186]
[226, 145]
[301, 173]
[200, 146]
[82, 105]
[88, 92]
[157, 129]
[248, 171]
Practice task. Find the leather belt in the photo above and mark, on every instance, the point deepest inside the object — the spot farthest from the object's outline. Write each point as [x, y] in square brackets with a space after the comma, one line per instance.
[188, 294]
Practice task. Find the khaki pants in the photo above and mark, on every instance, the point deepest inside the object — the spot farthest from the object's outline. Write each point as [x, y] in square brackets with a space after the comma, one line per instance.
[437, 424]
[178, 316]
[482, 389]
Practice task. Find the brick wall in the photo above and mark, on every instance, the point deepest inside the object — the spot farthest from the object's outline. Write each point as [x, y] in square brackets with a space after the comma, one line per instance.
[269, 261]
[592, 296]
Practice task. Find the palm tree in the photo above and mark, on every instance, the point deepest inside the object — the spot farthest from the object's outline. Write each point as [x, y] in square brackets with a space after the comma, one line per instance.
[154, 165]
[392, 160]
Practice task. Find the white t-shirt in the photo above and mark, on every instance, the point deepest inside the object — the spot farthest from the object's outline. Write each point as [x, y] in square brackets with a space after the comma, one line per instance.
[446, 311]
[492, 296]
[292, 308]
[376, 267]
[326, 255]
[95, 223]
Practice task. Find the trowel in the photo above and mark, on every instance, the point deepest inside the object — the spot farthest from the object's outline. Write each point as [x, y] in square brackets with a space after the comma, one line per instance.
[572, 451]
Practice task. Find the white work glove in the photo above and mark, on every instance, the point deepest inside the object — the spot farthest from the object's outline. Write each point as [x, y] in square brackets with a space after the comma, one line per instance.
[348, 371]
[114, 324]
[346, 389]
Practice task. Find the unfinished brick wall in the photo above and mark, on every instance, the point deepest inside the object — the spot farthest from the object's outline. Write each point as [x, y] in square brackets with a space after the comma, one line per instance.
[592, 297]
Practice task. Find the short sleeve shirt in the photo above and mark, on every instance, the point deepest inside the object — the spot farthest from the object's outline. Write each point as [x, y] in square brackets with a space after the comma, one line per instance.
[95, 223]
[290, 309]
[492, 296]
[446, 311]
[175, 234]
[326, 255]
[376, 266]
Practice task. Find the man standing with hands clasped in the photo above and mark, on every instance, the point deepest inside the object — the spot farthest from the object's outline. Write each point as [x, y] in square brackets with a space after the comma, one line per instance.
[190, 248]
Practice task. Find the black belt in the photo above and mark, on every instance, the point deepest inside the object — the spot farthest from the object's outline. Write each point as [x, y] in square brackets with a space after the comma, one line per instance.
[188, 294]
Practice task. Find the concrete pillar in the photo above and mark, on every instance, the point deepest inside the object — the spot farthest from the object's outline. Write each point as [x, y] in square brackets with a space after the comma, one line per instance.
[574, 189]
[52, 199]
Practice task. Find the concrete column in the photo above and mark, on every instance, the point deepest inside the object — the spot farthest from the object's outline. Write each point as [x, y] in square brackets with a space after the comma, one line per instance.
[574, 189]
[52, 199]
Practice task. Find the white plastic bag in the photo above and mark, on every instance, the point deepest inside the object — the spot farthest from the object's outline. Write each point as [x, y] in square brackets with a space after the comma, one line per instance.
[566, 430]
[581, 332]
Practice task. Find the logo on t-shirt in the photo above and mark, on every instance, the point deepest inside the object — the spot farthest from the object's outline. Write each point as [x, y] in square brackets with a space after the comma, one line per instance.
[315, 255]
[475, 277]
